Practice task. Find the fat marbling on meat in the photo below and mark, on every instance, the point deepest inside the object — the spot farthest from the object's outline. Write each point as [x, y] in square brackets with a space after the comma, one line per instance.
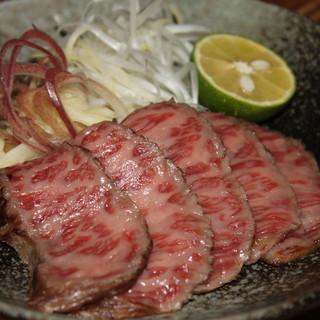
[273, 202]
[301, 169]
[82, 236]
[188, 140]
[181, 235]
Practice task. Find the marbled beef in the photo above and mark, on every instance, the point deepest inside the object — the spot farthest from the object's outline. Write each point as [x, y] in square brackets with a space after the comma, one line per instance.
[196, 149]
[302, 171]
[181, 254]
[272, 200]
[83, 237]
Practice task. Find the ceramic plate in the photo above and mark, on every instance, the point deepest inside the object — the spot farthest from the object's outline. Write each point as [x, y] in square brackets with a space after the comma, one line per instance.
[262, 291]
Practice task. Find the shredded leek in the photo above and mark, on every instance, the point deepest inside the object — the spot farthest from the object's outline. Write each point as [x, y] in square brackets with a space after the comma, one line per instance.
[139, 53]
[18, 154]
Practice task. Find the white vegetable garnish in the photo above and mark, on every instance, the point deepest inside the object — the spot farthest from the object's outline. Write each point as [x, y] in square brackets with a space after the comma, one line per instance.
[1, 146]
[16, 155]
[140, 54]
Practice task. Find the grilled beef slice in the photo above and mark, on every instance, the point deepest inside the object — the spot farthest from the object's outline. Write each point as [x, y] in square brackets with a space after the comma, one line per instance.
[82, 237]
[273, 202]
[188, 140]
[181, 254]
[301, 169]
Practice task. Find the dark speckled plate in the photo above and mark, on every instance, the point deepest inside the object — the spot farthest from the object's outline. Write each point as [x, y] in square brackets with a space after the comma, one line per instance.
[262, 291]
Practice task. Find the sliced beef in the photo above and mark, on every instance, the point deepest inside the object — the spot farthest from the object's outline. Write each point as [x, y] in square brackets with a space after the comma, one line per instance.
[272, 200]
[196, 149]
[302, 171]
[82, 236]
[181, 257]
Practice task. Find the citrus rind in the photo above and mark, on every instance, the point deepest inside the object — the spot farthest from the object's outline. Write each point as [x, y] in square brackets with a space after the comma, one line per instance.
[216, 98]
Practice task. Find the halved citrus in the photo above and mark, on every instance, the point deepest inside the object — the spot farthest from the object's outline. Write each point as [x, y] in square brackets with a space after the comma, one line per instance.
[241, 77]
